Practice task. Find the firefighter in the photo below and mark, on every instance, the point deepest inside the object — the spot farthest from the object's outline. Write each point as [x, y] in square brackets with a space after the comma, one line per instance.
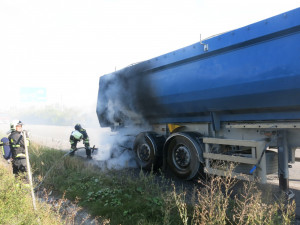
[17, 146]
[76, 136]
[4, 146]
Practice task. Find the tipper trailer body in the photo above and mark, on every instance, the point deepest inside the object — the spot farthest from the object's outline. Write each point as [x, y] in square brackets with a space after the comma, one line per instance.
[233, 97]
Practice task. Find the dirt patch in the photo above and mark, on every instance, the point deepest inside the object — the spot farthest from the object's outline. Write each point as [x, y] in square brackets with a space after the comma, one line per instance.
[71, 213]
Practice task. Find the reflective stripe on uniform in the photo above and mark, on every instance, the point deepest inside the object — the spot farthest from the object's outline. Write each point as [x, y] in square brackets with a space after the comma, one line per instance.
[20, 155]
[16, 146]
[77, 135]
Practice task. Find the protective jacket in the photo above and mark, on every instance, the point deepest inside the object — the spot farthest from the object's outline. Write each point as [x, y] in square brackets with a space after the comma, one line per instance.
[78, 135]
[17, 145]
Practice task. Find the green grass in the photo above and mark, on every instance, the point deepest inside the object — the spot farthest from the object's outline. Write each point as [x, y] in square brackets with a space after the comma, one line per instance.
[122, 197]
[16, 205]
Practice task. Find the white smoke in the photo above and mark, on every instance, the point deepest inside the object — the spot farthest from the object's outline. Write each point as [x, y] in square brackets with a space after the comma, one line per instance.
[123, 100]
[115, 149]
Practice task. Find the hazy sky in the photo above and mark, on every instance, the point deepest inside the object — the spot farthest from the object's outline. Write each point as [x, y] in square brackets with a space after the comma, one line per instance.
[66, 45]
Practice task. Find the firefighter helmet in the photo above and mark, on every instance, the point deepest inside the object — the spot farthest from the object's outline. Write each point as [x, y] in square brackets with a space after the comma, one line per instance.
[15, 123]
[78, 127]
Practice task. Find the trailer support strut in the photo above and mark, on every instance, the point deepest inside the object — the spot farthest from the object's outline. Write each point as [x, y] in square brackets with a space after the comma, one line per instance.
[283, 169]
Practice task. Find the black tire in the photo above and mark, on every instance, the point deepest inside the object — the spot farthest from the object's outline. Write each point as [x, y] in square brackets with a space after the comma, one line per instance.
[183, 158]
[148, 150]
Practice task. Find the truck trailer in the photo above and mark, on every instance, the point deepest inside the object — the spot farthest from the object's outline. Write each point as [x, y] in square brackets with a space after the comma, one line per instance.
[234, 97]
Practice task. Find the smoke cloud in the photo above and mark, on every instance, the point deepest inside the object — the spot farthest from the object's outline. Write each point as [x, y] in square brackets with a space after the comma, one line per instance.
[126, 101]
[127, 98]
[115, 149]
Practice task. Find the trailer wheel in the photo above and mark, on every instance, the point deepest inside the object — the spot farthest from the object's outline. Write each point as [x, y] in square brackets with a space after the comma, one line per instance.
[183, 158]
[148, 150]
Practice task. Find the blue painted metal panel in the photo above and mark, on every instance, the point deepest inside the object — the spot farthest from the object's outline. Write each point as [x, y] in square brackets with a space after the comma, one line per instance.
[252, 73]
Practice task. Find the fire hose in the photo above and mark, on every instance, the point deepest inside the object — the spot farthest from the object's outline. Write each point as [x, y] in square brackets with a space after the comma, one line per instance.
[29, 171]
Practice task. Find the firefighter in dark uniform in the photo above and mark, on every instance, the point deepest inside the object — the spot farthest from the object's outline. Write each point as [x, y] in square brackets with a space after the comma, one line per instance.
[76, 136]
[17, 146]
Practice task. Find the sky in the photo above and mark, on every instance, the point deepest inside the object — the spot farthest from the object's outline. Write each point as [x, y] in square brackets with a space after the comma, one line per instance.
[64, 46]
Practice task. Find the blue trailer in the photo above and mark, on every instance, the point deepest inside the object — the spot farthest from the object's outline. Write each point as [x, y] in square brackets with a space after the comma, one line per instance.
[231, 97]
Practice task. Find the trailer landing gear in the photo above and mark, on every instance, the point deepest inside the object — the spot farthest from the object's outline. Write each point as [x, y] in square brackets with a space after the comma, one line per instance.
[283, 166]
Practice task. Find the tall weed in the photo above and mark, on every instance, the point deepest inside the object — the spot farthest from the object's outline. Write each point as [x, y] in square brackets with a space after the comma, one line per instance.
[16, 204]
[218, 202]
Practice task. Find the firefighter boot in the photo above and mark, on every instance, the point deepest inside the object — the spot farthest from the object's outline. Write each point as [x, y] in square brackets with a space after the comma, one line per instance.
[88, 153]
[72, 150]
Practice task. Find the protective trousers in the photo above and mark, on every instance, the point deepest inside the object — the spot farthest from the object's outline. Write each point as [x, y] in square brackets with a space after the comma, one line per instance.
[19, 166]
[88, 151]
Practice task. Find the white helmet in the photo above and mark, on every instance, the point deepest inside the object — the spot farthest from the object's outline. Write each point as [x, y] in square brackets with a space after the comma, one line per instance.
[15, 123]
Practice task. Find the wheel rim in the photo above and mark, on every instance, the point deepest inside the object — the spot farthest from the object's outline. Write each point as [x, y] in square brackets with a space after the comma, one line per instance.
[181, 157]
[144, 152]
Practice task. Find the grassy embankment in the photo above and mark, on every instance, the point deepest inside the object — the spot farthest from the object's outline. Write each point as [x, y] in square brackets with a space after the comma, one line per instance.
[16, 204]
[125, 198]
[128, 199]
